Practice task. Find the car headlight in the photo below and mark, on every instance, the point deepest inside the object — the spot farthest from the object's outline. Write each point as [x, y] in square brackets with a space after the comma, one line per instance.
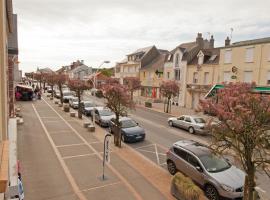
[227, 188]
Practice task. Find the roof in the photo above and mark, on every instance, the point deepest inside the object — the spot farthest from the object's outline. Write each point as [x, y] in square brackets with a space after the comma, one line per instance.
[45, 70]
[157, 63]
[195, 147]
[141, 50]
[249, 42]
[211, 56]
[79, 67]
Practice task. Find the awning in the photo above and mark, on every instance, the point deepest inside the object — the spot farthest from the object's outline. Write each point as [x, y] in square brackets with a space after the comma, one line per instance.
[258, 89]
[24, 86]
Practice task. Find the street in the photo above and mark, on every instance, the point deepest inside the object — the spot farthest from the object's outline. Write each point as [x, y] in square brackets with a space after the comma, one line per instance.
[160, 136]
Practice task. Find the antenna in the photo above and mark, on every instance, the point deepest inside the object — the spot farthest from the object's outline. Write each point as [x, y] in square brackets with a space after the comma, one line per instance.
[231, 33]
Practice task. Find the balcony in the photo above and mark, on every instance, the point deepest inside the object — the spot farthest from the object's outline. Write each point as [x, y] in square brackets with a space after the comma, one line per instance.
[198, 88]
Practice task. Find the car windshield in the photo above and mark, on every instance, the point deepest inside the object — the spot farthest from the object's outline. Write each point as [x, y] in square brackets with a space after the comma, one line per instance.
[75, 99]
[89, 105]
[67, 94]
[199, 120]
[128, 123]
[105, 113]
[213, 163]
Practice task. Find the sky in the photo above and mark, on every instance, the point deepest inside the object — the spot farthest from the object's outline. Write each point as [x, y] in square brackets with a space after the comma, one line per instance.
[54, 33]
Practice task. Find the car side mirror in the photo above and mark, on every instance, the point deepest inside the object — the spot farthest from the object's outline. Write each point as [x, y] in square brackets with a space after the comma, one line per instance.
[199, 169]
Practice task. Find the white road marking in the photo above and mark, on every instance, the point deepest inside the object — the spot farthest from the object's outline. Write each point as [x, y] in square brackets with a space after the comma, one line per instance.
[154, 152]
[69, 145]
[62, 131]
[57, 121]
[260, 189]
[144, 146]
[76, 156]
[158, 162]
[129, 186]
[49, 117]
[94, 188]
[74, 186]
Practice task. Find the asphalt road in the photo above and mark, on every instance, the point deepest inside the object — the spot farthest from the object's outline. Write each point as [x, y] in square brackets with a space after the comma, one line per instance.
[160, 136]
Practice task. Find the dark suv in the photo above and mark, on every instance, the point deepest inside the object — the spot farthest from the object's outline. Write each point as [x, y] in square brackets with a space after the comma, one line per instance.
[214, 174]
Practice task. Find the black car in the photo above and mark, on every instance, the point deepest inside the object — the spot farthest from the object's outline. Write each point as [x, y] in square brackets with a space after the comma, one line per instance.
[130, 130]
[88, 107]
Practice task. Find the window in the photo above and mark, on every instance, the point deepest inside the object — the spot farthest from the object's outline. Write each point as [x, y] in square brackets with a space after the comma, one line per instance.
[177, 74]
[181, 153]
[200, 60]
[227, 76]
[181, 118]
[268, 78]
[143, 74]
[228, 56]
[177, 59]
[195, 77]
[168, 75]
[187, 119]
[206, 78]
[248, 76]
[249, 54]
[193, 161]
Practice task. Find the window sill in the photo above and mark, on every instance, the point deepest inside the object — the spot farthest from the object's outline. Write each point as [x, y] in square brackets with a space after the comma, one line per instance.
[249, 61]
[227, 63]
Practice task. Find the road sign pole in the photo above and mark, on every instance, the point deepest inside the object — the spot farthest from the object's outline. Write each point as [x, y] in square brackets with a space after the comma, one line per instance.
[106, 154]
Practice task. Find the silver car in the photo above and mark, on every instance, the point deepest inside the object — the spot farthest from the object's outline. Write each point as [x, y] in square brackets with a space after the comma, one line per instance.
[74, 102]
[214, 174]
[193, 124]
[103, 116]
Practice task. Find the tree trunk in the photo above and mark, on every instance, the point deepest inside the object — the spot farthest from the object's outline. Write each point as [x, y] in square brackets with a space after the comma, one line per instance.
[52, 90]
[61, 93]
[79, 102]
[44, 86]
[40, 82]
[168, 103]
[117, 136]
[251, 183]
[131, 95]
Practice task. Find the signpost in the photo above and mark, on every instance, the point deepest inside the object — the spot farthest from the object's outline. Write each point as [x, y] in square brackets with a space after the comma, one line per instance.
[106, 153]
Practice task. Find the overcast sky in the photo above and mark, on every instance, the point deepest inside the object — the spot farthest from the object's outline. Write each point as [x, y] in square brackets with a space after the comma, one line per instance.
[53, 33]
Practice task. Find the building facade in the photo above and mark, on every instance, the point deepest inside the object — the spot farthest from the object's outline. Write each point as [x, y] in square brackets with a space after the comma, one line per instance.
[202, 74]
[177, 61]
[245, 61]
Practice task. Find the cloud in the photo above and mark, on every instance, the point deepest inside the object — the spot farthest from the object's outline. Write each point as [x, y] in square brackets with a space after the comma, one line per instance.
[55, 33]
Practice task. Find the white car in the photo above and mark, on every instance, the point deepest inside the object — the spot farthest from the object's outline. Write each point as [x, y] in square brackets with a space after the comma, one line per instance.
[67, 95]
[194, 124]
[74, 102]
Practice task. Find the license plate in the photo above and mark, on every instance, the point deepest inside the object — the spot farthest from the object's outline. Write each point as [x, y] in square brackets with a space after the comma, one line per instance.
[138, 137]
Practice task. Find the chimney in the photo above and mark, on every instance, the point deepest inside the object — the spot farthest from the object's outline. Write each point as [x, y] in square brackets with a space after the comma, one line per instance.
[227, 42]
[212, 41]
[82, 61]
[199, 40]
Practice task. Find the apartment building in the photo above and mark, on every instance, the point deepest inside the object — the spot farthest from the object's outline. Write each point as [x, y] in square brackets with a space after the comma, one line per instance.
[202, 74]
[175, 67]
[245, 61]
[151, 76]
[6, 28]
[131, 65]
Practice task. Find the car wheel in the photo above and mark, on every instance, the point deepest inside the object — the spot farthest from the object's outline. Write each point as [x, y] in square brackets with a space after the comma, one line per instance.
[171, 123]
[191, 130]
[171, 167]
[211, 192]
[123, 138]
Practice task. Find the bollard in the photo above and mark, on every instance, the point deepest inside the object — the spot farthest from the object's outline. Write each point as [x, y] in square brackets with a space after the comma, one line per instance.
[72, 114]
[91, 128]
[60, 105]
[86, 124]
[56, 102]
[66, 108]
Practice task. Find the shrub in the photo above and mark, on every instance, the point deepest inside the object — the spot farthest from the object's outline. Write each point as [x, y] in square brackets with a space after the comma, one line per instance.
[183, 188]
[148, 104]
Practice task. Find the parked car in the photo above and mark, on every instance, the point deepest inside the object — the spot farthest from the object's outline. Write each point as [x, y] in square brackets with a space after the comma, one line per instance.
[57, 94]
[130, 130]
[88, 107]
[193, 124]
[67, 95]
[74, 102]
[215, 175]
[103, 116]
[49, 89]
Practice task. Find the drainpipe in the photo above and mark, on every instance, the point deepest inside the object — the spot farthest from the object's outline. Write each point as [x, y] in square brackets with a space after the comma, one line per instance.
[260, 66]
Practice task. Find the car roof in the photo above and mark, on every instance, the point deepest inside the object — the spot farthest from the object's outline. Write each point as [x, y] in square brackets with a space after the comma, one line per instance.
[193, 116]
[124, 118]
[194, 147]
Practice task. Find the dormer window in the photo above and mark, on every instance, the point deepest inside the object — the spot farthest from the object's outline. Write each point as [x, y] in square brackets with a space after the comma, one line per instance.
[177, 59]
[200, 58]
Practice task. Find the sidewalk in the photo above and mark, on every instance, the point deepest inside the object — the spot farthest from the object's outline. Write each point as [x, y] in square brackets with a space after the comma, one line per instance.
[71, 154]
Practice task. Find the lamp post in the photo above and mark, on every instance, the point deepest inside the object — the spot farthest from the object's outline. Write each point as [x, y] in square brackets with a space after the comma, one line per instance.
[94, 84]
